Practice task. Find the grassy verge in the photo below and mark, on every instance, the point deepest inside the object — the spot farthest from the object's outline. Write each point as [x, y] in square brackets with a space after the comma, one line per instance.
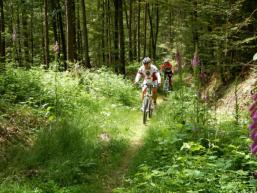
[68, 131]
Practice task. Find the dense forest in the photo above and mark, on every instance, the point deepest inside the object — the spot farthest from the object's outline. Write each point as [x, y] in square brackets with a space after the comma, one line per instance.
[115, 33]
[70, 118]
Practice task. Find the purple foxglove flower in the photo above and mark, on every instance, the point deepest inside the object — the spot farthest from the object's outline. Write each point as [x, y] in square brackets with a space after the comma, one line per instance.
[254, 116]
[254, 148]
[254, 96]
[253, 125]
[252, 107]
[252, 113]
[196, 60]
[203, 75]
[254, 135]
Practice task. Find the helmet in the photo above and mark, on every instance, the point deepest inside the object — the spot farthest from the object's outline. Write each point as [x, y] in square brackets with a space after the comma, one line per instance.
[146, 60]
[166, 60]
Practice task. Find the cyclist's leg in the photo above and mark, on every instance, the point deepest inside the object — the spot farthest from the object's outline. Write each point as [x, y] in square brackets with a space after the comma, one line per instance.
[143, 93]
[142, 96]
[170, 80]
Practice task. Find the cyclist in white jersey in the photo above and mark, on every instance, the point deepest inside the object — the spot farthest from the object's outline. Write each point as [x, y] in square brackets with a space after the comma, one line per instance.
[149, 70]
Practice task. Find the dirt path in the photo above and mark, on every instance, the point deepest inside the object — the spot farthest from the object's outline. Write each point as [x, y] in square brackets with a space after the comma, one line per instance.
[116, 177]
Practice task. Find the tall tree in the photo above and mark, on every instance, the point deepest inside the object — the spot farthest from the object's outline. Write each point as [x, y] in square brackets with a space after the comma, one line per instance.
[31, 31]
[46, 35]
[138, 31]
[116, 35]
[145, 27]
[25, 34]
[154, 29]
[121, 39]
[62, 39]
[2, 38]
[85, 35]
[71, 30]
[129, 26]
[109, 32]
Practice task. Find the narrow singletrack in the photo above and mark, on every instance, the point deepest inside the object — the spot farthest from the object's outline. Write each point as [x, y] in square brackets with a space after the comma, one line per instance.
[115, 178]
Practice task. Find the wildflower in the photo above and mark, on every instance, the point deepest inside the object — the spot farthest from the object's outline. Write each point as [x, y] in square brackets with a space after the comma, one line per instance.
[196, 60]
[254, 135]
[254, 148]
[254, 97]
[253, 125]
[203, 75]
[252, 107]
[254, 116]
[56, 47]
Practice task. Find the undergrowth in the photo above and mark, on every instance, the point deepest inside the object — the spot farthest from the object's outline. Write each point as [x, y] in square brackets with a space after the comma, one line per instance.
[79, 131]
[179, 157]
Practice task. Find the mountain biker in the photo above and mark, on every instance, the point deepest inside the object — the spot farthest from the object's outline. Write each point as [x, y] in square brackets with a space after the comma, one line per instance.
[166, 70]
[148, 69]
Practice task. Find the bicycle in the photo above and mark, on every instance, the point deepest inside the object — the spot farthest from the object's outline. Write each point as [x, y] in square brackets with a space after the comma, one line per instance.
[166, 86]
[148, 105]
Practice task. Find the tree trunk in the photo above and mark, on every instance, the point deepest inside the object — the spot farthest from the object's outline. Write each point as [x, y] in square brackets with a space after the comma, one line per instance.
[79, 43]
[109, 34]
[19, 57]
[116, 35]
[25, 39]
[121, 39]
[103, 29]
[134, 29]
[63, 41]
[46, 35]
[54, 19]
[154, 34]
[85, 35]
[71, 30]
[2, 38]
[130, 31]
[31, 32]
[138, 32]
[145, 26]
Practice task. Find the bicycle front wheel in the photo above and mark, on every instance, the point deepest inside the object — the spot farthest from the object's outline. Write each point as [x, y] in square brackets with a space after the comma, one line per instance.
[150, 108]
[146, 102]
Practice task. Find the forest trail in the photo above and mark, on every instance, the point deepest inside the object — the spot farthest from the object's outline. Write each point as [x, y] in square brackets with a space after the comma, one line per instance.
[115, 177]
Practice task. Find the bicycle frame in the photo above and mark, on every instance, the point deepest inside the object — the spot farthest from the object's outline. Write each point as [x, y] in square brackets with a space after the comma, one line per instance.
[148, 101]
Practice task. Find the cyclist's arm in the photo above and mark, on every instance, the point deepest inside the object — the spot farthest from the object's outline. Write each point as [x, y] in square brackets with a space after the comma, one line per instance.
[158, 77]
[138, 76]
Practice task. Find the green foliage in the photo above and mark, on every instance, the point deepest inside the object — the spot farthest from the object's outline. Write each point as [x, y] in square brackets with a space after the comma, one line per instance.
[67, 153]
[179, 158]
[105, 84]
[17, 85]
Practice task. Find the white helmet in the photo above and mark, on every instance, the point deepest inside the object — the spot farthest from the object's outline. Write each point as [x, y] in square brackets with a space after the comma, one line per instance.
[166, 60]
[146, 60]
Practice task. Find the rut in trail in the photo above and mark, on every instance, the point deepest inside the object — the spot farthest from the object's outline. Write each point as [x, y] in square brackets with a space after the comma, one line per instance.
[114, 179]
